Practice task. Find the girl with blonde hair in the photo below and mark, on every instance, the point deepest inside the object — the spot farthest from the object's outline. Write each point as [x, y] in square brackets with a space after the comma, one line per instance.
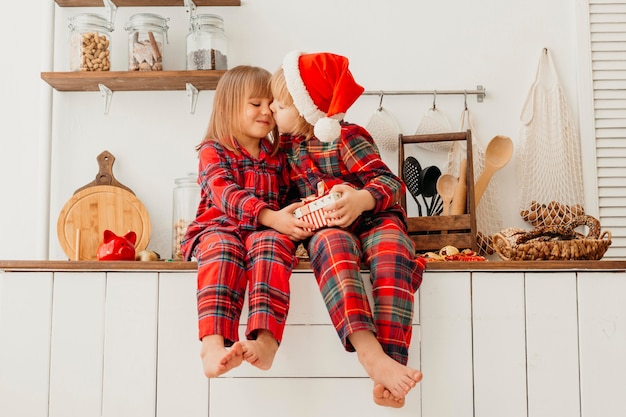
[241, 238]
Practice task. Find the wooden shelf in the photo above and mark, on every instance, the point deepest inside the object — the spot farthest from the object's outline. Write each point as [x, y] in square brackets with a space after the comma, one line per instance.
[132, 80]
[144, 3]
[529, 266]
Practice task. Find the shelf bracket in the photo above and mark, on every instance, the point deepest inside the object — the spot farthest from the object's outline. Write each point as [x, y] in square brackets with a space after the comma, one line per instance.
[111, 9]
[190, 7]
[192, 94]
[106, 94]
[481, 95]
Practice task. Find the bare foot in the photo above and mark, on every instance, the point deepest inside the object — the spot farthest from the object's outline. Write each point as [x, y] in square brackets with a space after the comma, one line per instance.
[216, 359]
[398, 379]
[383, 397]
[395, 377]
[261, 351]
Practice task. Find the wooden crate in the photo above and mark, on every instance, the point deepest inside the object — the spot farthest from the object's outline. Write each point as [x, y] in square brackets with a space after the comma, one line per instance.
[431, 233]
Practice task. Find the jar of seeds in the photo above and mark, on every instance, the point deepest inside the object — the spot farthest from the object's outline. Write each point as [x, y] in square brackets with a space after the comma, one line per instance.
[90, 41]
[207, 43]
[146, 34]
[186, 200]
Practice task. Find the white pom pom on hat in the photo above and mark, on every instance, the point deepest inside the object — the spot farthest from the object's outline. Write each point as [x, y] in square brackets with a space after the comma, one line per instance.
[322, 88]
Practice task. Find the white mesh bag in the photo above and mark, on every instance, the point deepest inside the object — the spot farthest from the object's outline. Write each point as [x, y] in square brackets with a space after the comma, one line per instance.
[434, 121]
[384, 129]
[549, 158]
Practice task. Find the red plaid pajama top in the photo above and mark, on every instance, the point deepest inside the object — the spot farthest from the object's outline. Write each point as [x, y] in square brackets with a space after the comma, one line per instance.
[233, 251]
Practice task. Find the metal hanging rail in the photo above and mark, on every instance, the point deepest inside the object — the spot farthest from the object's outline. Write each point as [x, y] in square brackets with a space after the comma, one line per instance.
[480, 92]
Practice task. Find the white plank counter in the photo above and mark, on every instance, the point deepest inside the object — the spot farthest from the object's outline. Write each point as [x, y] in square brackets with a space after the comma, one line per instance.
[120, 339]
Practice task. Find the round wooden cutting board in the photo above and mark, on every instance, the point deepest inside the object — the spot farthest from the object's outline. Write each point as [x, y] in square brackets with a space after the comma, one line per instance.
[95, 208]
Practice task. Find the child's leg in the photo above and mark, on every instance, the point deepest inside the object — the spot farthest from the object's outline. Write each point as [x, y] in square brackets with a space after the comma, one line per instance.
[221, 291]
[335, 258]
[396, 275]
[392, 380]
[269, 263]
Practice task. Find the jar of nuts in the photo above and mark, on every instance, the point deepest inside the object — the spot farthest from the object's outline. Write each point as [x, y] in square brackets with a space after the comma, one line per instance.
[186, 201]
[146, 34]
[90, 39]
[206, 43]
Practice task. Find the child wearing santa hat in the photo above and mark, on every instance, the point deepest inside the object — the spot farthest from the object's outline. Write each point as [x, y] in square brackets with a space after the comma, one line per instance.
[368, 228]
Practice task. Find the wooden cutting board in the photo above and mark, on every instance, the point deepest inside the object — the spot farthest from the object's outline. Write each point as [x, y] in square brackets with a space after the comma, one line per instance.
[103, 204]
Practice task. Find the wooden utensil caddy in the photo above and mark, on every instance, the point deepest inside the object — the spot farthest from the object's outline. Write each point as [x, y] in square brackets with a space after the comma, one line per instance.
[431, 233]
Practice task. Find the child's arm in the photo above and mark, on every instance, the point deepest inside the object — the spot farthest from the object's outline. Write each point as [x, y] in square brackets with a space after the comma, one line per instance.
[285, 222]
[361, 158]
[351, 205]
[224, 187]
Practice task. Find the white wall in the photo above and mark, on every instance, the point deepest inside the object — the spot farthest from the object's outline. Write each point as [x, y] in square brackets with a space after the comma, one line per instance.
[398, 45]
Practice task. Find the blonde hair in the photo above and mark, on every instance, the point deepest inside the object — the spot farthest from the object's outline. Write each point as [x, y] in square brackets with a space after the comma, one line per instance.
[233, 90]
[282, 94]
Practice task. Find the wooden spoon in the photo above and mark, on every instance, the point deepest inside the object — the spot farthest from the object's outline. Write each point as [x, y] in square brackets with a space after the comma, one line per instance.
[445, 187]
[497, 155]
[459, 199]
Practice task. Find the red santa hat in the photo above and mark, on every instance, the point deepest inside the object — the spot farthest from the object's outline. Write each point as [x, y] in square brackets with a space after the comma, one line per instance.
[322, 89]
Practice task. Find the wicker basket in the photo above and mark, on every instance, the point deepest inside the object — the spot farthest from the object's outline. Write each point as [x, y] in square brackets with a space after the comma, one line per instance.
[549, 246]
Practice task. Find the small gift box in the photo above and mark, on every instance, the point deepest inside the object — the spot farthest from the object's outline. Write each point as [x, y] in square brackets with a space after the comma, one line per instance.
[312, 211]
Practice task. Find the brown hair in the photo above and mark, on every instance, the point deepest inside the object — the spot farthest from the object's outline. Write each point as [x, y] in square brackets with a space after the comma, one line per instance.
[234, 88]
[281, 93]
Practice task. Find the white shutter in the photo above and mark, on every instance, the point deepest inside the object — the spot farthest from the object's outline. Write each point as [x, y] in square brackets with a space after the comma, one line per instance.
[607, 20]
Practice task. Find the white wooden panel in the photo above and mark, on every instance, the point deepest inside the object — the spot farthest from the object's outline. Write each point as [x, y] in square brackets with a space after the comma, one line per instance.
[309, 333]
[307, 351]
[25, 316]
[602, 322]
[307, 306]
[301, 397]
[445, 304]
[182, 388]
[608, 50]
[77, 344]
[499, 344]
[130, 349]
[323, 355]
[552, 345]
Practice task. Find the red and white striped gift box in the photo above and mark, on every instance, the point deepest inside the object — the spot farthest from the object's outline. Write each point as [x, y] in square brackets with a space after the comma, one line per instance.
[312, 211]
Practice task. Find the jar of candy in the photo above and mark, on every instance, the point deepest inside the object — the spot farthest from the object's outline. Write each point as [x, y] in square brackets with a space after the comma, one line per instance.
[90, 41]
[186, 200]
[207, 43]
[147, 33]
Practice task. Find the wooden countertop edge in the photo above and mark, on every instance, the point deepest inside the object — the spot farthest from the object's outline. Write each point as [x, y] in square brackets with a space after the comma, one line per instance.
[173, 266]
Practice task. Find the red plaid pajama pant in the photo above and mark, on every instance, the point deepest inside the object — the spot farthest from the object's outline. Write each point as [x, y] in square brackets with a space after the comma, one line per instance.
[228, 262]
[382, 244]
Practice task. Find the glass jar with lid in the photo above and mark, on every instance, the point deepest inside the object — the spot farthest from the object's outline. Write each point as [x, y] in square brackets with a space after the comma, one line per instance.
[90, 41]
[207, 43]
[186, 200]
[146, 34]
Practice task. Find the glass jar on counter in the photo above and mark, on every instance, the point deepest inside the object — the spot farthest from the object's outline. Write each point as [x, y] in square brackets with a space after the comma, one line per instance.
[207, 43]
[186, 200]
[146, 34]
[90, 41]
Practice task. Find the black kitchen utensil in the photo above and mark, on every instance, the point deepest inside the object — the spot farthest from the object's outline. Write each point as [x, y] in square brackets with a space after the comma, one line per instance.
[411, 170]
[428, 186]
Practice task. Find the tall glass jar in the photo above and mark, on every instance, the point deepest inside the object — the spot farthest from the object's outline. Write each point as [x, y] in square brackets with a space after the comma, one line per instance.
[207, 43]
[186, 200]
[146, 34]
[90, 41]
